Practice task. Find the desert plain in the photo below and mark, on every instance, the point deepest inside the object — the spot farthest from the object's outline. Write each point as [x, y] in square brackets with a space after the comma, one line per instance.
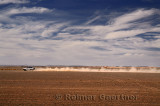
[68, 88]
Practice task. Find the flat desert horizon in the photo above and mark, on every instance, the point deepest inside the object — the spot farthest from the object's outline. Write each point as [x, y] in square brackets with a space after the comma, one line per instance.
[57, 86]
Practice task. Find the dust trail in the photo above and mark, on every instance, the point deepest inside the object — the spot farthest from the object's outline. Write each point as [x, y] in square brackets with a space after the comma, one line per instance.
[103, 69]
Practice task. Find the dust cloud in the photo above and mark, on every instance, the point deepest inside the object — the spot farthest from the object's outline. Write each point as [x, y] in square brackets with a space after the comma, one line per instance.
[103, 69]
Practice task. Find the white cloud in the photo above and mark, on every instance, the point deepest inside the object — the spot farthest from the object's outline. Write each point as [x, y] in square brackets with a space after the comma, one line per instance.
[123, 26]
[128, 22]
[13, 1]
[53, 28]
[92, 20]
[27, 10]
[7, 13]
[19, 40]
[133, 16]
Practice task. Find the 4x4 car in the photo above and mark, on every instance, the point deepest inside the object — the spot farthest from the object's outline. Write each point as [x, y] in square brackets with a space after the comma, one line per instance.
[28, 68]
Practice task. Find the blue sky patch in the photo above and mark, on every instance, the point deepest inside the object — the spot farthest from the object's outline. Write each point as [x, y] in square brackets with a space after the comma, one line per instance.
[90, 32]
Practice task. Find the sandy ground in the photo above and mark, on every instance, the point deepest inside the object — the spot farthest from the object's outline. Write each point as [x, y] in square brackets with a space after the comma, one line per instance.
[79, 88]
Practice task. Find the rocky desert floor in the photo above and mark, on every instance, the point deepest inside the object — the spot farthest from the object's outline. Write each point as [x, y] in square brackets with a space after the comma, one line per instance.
[34, 88]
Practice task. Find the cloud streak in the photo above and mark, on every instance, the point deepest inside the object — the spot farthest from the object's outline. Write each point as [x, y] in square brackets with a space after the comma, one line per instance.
[126, 25]
[2, 2]
[26, 37]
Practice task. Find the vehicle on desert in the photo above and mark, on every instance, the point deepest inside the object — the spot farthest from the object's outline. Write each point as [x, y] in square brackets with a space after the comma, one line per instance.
[28, 68]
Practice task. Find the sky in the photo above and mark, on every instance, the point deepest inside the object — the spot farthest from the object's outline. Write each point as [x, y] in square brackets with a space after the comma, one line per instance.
[80, 32]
